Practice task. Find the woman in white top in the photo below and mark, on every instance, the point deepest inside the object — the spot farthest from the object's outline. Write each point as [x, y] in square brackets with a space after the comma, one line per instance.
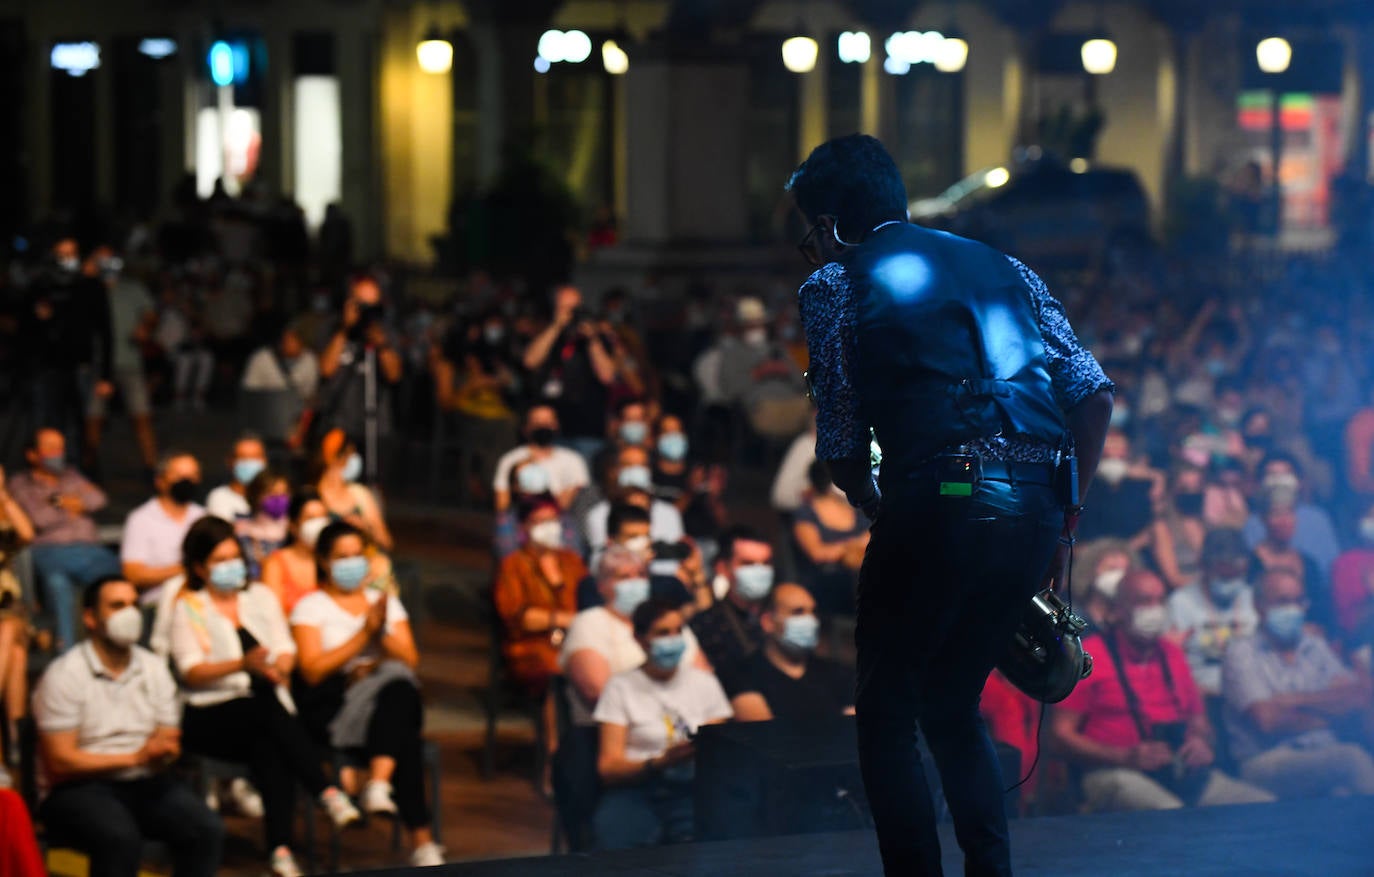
[233, 652]
[648, 717]
[359, 691]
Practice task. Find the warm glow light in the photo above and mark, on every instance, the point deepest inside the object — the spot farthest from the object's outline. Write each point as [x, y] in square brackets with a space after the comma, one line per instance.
[799, 54]
[1099, 56]
[1274, 55]
[855, 47]
[952, 55]
[435, 54]
[997, 178]
[1079, 165]
[614, 59]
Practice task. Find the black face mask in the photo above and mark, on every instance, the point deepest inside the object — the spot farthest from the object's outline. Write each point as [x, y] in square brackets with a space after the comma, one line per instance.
[1189, 504]
[1261, 442]
[543, 436]
[183, 492]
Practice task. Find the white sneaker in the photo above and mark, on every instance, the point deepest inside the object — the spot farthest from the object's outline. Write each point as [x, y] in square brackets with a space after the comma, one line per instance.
[341, 810]
[284, 864]
[246, 798]
[427, 855]
[377, 798]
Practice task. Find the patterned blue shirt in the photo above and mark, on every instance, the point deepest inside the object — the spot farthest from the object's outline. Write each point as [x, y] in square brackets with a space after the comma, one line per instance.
[828, 314]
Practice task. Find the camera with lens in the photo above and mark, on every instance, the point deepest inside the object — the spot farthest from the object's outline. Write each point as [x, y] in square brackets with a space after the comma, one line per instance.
[678, 551]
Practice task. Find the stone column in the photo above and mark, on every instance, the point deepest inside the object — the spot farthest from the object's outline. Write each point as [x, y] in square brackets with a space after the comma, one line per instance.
[354, 63]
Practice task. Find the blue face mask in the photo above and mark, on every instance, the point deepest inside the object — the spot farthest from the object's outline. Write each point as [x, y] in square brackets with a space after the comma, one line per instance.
[353, 469]
[246, 470]
[1285, 623]
[348, 573]
[533, 479]
[636, 476]
[801, 632]
[229, 575]
[754, 581]
[629, 593]
[55, 465]
[673, 446]
[666, 651]
[634, 432]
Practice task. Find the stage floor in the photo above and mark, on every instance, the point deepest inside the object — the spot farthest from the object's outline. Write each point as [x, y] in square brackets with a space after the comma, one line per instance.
[1326, 838]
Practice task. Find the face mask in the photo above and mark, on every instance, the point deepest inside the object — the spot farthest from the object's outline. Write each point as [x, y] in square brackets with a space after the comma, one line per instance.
[124, 627]
[353, 468]
[1227, 590]
[276, 506]
[1189, 504]
[547, 534]
[1149, 622]
[634, 432]
[70, 265]
[311, 530]
[1282, 481]
[1216, 367]
[246, 470]
[1367, 529]
[348, 573]
[183, 492]
[1285, 623]
[494, 334]
[638, 544]
[629, 593]
[673, 446]
[54, 465]
[756, 337]
[666, 651]
[1107, 583]
[1260, 442]
[754, 581]
[229, 575]
[1113, 470]
[543, 436]
[636, 476]
[801, 632]
[532, 479]
[1229, 417]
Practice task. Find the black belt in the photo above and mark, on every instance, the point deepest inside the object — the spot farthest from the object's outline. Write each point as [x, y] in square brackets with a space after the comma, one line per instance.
[1019, 473]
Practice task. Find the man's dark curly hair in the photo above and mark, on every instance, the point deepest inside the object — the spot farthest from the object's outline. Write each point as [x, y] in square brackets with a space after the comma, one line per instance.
[853, 179]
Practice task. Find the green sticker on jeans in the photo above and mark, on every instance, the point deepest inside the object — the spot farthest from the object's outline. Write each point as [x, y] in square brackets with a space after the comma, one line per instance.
[956, 488]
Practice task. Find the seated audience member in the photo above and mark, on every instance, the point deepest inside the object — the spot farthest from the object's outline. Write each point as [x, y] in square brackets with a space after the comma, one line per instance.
[1178, 530]
[536, 596]
[648, 716]
[340, 467]
[784, 680]
[1120, 497]
[600, 642]
[234, 655]
[19, 852]
[730, 630]
[356, 657]
[1013, 720]
[15, 532]
[831, 537]
[567, 471]
[628, 426]
[264, 531]
[632, 481]
[474, 372]
[791, 482]
[1137, 728]
[109, 730]
[58, 501]
[1314, 534]
[290, 371]
[230, 501]
[628, 526]
[529, 482]
[289, 572]
[1278, 550]
[153, 532]
[696, 490]
[1225, 500]
[1216, 609]
[1352, 586]
[1106, 562]
[1285, 692]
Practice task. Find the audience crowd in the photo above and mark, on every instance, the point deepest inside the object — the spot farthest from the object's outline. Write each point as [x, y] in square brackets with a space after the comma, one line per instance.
[644, 583]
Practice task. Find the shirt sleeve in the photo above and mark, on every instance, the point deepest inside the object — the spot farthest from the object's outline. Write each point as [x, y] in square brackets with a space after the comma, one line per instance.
[1074, 372]
[395, 612]
[1242, 685]
[57, 703]
[611, 708]
[164, 688]
[715, 705]
[827, 313]
[185, 645]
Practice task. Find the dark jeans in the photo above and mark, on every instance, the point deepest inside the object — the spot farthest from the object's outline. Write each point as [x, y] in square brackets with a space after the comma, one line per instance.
[942, 590]
[395, 732]
[63, 571]
[259, 732]
[109, 820]
[651, 813]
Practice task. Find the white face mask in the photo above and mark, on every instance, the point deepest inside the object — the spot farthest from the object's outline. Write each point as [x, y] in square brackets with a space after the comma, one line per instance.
[124, 627]
[637, 544]
[1149, 622]
[1113, 470]
[548, 534]
[311, 530]
[1109, 582]
[756, 337]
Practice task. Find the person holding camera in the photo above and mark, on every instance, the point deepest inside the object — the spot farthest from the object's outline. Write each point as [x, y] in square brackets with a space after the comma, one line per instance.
[361, 344]
[1136, 729]
[572, 367]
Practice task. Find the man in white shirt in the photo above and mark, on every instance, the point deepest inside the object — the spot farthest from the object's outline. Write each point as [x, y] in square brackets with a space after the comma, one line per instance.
[264, 368]
[229, 502]
[632, 482]
[1219, 608]
[151, 548]
[109, 730]
[566, 470]
[790, 483]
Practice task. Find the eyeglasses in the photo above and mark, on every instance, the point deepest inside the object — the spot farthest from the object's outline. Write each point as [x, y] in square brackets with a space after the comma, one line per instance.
[810, 249]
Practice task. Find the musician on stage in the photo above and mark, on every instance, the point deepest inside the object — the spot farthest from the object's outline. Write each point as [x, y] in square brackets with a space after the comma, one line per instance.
[963, 367]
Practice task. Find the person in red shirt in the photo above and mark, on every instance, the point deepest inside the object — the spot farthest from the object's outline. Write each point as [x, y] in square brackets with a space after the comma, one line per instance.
[1136, 729]
[1013, 718]
[1352, 585]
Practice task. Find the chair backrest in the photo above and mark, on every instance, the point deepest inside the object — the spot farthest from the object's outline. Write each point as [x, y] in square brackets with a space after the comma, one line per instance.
[576, 786]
